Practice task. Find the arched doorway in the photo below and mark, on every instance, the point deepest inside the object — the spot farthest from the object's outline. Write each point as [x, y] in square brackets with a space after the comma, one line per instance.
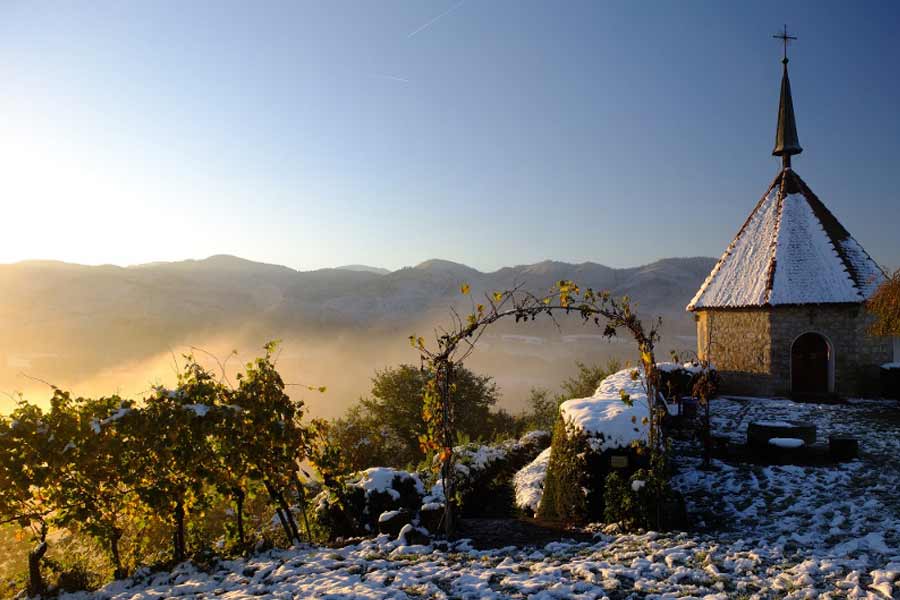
[811, 365]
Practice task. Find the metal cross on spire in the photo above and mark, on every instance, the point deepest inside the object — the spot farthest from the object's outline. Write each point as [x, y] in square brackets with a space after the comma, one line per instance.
[786, 141]
[784, 37]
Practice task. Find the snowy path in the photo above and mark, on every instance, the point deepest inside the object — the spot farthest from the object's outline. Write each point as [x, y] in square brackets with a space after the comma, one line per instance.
[764, 532]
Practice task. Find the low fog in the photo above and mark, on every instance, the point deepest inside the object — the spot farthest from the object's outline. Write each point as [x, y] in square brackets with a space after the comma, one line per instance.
[106, 330]
[344, 361]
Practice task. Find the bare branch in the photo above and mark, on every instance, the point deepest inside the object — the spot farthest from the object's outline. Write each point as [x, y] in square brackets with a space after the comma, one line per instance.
[218, 362]
[38, 379]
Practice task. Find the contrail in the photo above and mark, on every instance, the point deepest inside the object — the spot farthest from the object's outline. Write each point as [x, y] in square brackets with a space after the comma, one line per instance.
[437, 18]
[393, 78]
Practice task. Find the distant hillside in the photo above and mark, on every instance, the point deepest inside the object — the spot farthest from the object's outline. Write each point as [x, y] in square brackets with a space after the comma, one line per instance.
[71, 323]
[365, 269]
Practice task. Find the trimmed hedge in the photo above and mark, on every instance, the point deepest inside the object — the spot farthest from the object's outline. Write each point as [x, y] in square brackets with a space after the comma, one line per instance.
[485, 472]
[578, 476]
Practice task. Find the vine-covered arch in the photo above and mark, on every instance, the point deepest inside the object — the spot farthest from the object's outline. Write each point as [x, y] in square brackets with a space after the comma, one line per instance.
[455, 344]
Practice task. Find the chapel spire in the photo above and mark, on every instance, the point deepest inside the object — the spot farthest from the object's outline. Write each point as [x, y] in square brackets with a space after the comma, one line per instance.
[786, 141]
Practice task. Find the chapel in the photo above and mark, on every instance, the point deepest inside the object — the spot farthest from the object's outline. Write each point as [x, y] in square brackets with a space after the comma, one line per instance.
[783, 310]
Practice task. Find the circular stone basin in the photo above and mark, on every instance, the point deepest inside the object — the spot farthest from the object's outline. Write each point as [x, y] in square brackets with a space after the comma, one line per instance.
[760, 432]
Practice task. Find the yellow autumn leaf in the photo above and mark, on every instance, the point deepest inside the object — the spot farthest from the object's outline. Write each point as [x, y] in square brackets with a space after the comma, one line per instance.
[464, 288]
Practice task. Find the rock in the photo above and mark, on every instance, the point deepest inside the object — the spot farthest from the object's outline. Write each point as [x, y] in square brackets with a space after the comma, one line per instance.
[413, 536]
[391, 522]
[431, 516]
[673, 513]
[843, 447]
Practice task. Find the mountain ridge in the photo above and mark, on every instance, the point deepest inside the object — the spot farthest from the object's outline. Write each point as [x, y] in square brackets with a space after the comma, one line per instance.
[35, 286]
[120, 326]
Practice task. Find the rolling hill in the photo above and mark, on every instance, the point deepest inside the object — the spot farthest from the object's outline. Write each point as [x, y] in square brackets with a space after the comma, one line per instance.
[107, 328]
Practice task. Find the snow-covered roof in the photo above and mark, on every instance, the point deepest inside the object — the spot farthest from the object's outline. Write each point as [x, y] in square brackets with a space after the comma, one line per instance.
[791, 250]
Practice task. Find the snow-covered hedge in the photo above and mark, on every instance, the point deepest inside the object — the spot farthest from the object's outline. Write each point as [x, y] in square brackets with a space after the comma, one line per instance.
[605, 419]
[485, 473]
[484, 477]
[610, 423]
[590, 430]
[529, 482]
[354, 509]
[573, 484]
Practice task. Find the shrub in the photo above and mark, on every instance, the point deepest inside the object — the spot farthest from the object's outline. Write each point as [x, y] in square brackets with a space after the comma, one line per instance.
[485, 473]
[885, 306]
[124, 475]
[351, 506]
[581, 483]
[563, 498]
[645, 500]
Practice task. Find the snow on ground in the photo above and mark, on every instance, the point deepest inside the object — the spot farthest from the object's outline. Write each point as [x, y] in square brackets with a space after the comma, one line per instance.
[780, 442]
[761, 532]
[834, 508]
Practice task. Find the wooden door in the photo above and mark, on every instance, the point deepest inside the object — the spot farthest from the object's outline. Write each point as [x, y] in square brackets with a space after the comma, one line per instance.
[810, 359]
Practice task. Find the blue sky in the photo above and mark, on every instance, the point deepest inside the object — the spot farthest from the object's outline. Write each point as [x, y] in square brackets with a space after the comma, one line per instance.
[387, 133]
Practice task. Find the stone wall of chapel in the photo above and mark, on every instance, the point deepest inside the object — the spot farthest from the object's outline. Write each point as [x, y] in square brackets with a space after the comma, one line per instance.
[738, 343]
[857, 355]
[751, 348]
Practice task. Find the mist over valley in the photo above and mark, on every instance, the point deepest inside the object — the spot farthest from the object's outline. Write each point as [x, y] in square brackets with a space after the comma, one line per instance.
[106, 329]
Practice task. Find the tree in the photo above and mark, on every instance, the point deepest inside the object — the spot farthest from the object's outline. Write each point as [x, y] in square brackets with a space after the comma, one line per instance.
[885, 306]
[542, 412]
[363, 441]
[177, 457]
[93, 493]
[28, 468]
[274, 440]
[98, 466]
[396, 405]
[232, 472]
[588, 378]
